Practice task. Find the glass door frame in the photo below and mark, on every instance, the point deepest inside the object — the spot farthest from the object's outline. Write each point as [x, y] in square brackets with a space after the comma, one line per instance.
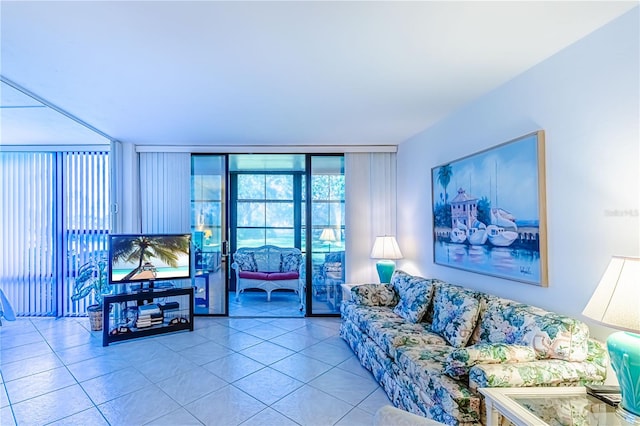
[310, 277]
[220, 281]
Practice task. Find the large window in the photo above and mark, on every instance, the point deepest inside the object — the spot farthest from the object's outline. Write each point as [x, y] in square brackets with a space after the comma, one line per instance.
[265, 210]
[55, 216]
[266, 193]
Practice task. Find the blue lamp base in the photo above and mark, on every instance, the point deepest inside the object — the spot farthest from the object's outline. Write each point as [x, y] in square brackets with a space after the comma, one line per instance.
[624, 350]
[385, 270]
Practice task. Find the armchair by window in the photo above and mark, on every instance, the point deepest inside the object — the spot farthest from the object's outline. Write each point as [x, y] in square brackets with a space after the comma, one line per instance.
[326, 283]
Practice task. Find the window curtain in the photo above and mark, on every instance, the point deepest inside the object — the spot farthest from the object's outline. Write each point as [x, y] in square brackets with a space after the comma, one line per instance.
[370, 210]
[165, 192]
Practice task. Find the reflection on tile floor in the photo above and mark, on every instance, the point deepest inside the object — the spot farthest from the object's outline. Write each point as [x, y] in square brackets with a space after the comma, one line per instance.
[254, 303]
[282, 304]
[229, 371]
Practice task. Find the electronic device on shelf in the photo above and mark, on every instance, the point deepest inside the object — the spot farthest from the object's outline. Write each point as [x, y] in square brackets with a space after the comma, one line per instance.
[607, 393]
[148, 258]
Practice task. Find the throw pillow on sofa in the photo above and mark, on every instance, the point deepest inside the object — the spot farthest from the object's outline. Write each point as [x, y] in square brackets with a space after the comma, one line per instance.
[374, 295]
[551, 335]
[455, 313]
[460, 361]
[246, 261]
[414, 301]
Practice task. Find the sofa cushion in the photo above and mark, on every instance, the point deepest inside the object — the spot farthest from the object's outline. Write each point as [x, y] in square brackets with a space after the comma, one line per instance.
[374, 295]
[246, 261]
[415, 295]
[551, 335]
[364, 316]
[486, 300]
[391, 335]
[542, 372]
[460, 361]
[455, 313]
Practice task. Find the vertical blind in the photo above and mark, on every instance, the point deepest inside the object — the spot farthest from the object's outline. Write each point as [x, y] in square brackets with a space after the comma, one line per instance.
[27, 265]
[54, 216]
[85, 207]
[370, 209]
[165, 192]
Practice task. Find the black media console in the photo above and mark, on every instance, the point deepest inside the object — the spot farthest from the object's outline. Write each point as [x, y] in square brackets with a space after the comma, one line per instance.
[175, 305]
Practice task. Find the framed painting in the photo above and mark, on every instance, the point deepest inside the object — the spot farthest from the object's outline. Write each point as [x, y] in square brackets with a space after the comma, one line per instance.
[489, 211]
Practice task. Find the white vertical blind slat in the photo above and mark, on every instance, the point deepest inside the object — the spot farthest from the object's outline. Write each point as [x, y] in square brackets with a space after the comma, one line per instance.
[165, 192]
[370, 209]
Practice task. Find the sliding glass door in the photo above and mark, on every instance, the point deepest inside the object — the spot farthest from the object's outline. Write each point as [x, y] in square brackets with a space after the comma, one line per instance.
[326, 234]
[209, 229]
[284, 200]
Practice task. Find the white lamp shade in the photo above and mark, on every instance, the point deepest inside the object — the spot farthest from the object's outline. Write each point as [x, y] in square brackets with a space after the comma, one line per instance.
[328, 235]
[616, 300]
[386, 247]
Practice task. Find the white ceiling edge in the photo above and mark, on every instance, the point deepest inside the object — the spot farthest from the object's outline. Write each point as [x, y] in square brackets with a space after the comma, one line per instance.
[55, 148]
[268, 149]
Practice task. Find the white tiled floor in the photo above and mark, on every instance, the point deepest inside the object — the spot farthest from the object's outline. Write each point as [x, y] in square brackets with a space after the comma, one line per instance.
[229, 371]
[254, 304]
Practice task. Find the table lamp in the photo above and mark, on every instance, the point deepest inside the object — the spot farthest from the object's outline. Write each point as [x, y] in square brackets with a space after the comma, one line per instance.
[616, 303]
[386, 249]
[328, 235]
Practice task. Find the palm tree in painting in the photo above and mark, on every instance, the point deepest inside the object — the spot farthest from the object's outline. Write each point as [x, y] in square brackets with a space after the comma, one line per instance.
[141, 249]
[444, 177]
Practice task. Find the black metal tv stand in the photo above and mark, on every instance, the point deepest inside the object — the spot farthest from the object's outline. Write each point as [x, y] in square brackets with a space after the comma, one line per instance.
[184, 314]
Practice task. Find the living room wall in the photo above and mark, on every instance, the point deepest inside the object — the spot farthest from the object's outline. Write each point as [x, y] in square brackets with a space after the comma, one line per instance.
[586, 99]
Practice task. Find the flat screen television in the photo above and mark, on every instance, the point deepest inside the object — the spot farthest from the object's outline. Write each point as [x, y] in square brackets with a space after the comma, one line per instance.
[140, 258]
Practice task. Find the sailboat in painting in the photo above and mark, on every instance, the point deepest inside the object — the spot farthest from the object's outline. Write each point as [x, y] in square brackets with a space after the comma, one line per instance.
[459, 233]
[477, 233]
[497, 234]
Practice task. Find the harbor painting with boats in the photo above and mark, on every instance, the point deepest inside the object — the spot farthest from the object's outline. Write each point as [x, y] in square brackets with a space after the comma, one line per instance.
[488, 211]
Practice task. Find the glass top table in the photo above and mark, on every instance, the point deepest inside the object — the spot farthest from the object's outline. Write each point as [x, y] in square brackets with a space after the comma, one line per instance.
[553, 406]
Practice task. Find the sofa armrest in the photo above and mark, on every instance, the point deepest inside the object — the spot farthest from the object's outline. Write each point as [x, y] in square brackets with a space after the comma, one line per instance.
[374, 295]
[547, 372]
[597, 353]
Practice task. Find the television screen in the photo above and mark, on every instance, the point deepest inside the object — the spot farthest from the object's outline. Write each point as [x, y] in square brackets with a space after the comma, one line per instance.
[142, 258]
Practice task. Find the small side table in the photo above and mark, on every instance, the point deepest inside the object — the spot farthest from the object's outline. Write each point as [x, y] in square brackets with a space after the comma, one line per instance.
[346, 290]
[542, 406]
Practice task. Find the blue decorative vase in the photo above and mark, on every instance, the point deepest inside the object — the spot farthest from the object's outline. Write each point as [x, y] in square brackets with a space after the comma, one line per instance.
[624, 350]
[385, 270]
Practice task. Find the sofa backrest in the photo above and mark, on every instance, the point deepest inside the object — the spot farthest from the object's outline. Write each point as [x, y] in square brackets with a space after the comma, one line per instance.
[271, 258]
[551, 335]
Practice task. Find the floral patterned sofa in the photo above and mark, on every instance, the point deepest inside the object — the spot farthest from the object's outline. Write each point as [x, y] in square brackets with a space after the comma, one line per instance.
[431, 345]
[268, 268]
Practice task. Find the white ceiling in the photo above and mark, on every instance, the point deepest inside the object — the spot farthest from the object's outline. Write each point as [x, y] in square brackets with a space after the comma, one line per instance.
[268, 73]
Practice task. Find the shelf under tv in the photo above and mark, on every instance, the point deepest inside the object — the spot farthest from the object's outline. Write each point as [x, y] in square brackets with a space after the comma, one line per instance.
[140, 297]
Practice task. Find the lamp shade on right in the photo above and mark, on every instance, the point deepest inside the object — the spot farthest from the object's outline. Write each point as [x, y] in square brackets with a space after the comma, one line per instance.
[616, 303]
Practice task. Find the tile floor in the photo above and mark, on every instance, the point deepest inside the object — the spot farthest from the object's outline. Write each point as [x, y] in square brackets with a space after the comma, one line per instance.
[254, 304]
[229, 371]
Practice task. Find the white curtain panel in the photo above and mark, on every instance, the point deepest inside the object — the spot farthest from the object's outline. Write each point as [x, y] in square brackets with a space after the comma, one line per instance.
[370, 210]
[165, 192]
[125, 188]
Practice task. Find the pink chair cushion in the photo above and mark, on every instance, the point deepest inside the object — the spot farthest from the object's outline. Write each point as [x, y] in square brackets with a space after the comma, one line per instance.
[274, 276]
[269, 276]
[254, 275]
